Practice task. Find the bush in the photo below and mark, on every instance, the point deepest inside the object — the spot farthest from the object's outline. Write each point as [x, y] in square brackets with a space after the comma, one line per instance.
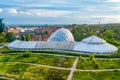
[5, 58]
[97, 66]
[27, 54]
[81, 57]
[82, 65]
[91, 57]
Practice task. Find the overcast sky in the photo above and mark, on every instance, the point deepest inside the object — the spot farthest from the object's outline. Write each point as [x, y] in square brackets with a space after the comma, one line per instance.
[60, 11]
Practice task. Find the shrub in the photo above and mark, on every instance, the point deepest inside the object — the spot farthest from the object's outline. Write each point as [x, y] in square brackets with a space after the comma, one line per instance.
[82, 65]
[97, 66]
[27, 54]
[81, 57]
[91, 56]
[5, 59]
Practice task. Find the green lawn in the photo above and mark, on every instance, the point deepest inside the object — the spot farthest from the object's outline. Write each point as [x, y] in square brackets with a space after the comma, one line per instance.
[113, 75]
[98, 64]
[4, 50]
[109, 64]
[38, 59]
[28, 72]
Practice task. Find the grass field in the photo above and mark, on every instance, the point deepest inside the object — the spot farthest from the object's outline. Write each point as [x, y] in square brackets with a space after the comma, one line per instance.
[113, 75]
[27, 72]
[22, 71]
[98, 64]
[38, 59]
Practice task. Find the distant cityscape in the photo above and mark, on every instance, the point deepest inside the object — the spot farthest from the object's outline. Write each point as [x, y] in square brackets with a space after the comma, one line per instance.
[38, 32]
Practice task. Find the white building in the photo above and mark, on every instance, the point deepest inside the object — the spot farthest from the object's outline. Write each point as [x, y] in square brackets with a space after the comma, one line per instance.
[62, 35]
[62, 39]
[94, 44]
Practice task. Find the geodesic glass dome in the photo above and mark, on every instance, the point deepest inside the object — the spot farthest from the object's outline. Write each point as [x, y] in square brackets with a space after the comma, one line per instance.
[62, 34]
[94, 44]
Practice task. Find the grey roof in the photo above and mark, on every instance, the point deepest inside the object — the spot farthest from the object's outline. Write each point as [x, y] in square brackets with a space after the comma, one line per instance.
[94, 44]
[93, 40]
[38, 45]
[61, 34]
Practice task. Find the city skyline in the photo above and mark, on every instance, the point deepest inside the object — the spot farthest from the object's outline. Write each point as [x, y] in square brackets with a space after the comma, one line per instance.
[60, 11]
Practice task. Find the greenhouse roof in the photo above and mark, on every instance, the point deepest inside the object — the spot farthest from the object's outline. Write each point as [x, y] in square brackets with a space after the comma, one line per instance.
[62, 34]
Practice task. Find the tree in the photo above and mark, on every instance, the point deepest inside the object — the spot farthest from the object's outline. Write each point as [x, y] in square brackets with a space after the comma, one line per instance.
[3, 37]
[109, 34]
[77, 33]
[46, 32]
[27, 37]
[10, 36]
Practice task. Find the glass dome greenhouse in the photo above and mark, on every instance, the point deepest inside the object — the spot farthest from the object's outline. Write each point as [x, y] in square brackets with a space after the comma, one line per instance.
[94, 44]
[62, 35]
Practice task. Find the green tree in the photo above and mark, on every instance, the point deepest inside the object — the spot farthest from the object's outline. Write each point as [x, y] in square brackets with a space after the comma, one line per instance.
[77, 33]
[27, 37]
[46, 32]
[91, 33]
[10, 36]
[3, 37]
[109, 34]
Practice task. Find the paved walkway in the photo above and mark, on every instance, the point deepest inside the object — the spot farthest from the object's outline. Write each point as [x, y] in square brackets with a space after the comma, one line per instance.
[97, 70]
[74, 65]
[61, 68]
[49, 54]
[73, 56]
[107, 58]
[73, 69]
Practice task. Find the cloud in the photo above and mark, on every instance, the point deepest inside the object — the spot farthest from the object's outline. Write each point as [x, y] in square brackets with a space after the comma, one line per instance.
[59, 1]
[1, 10]
[12, 11]
[61, 11]
[115, 1]
[39, 12]
[44, 13]
[24, 13]
[23, 1]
